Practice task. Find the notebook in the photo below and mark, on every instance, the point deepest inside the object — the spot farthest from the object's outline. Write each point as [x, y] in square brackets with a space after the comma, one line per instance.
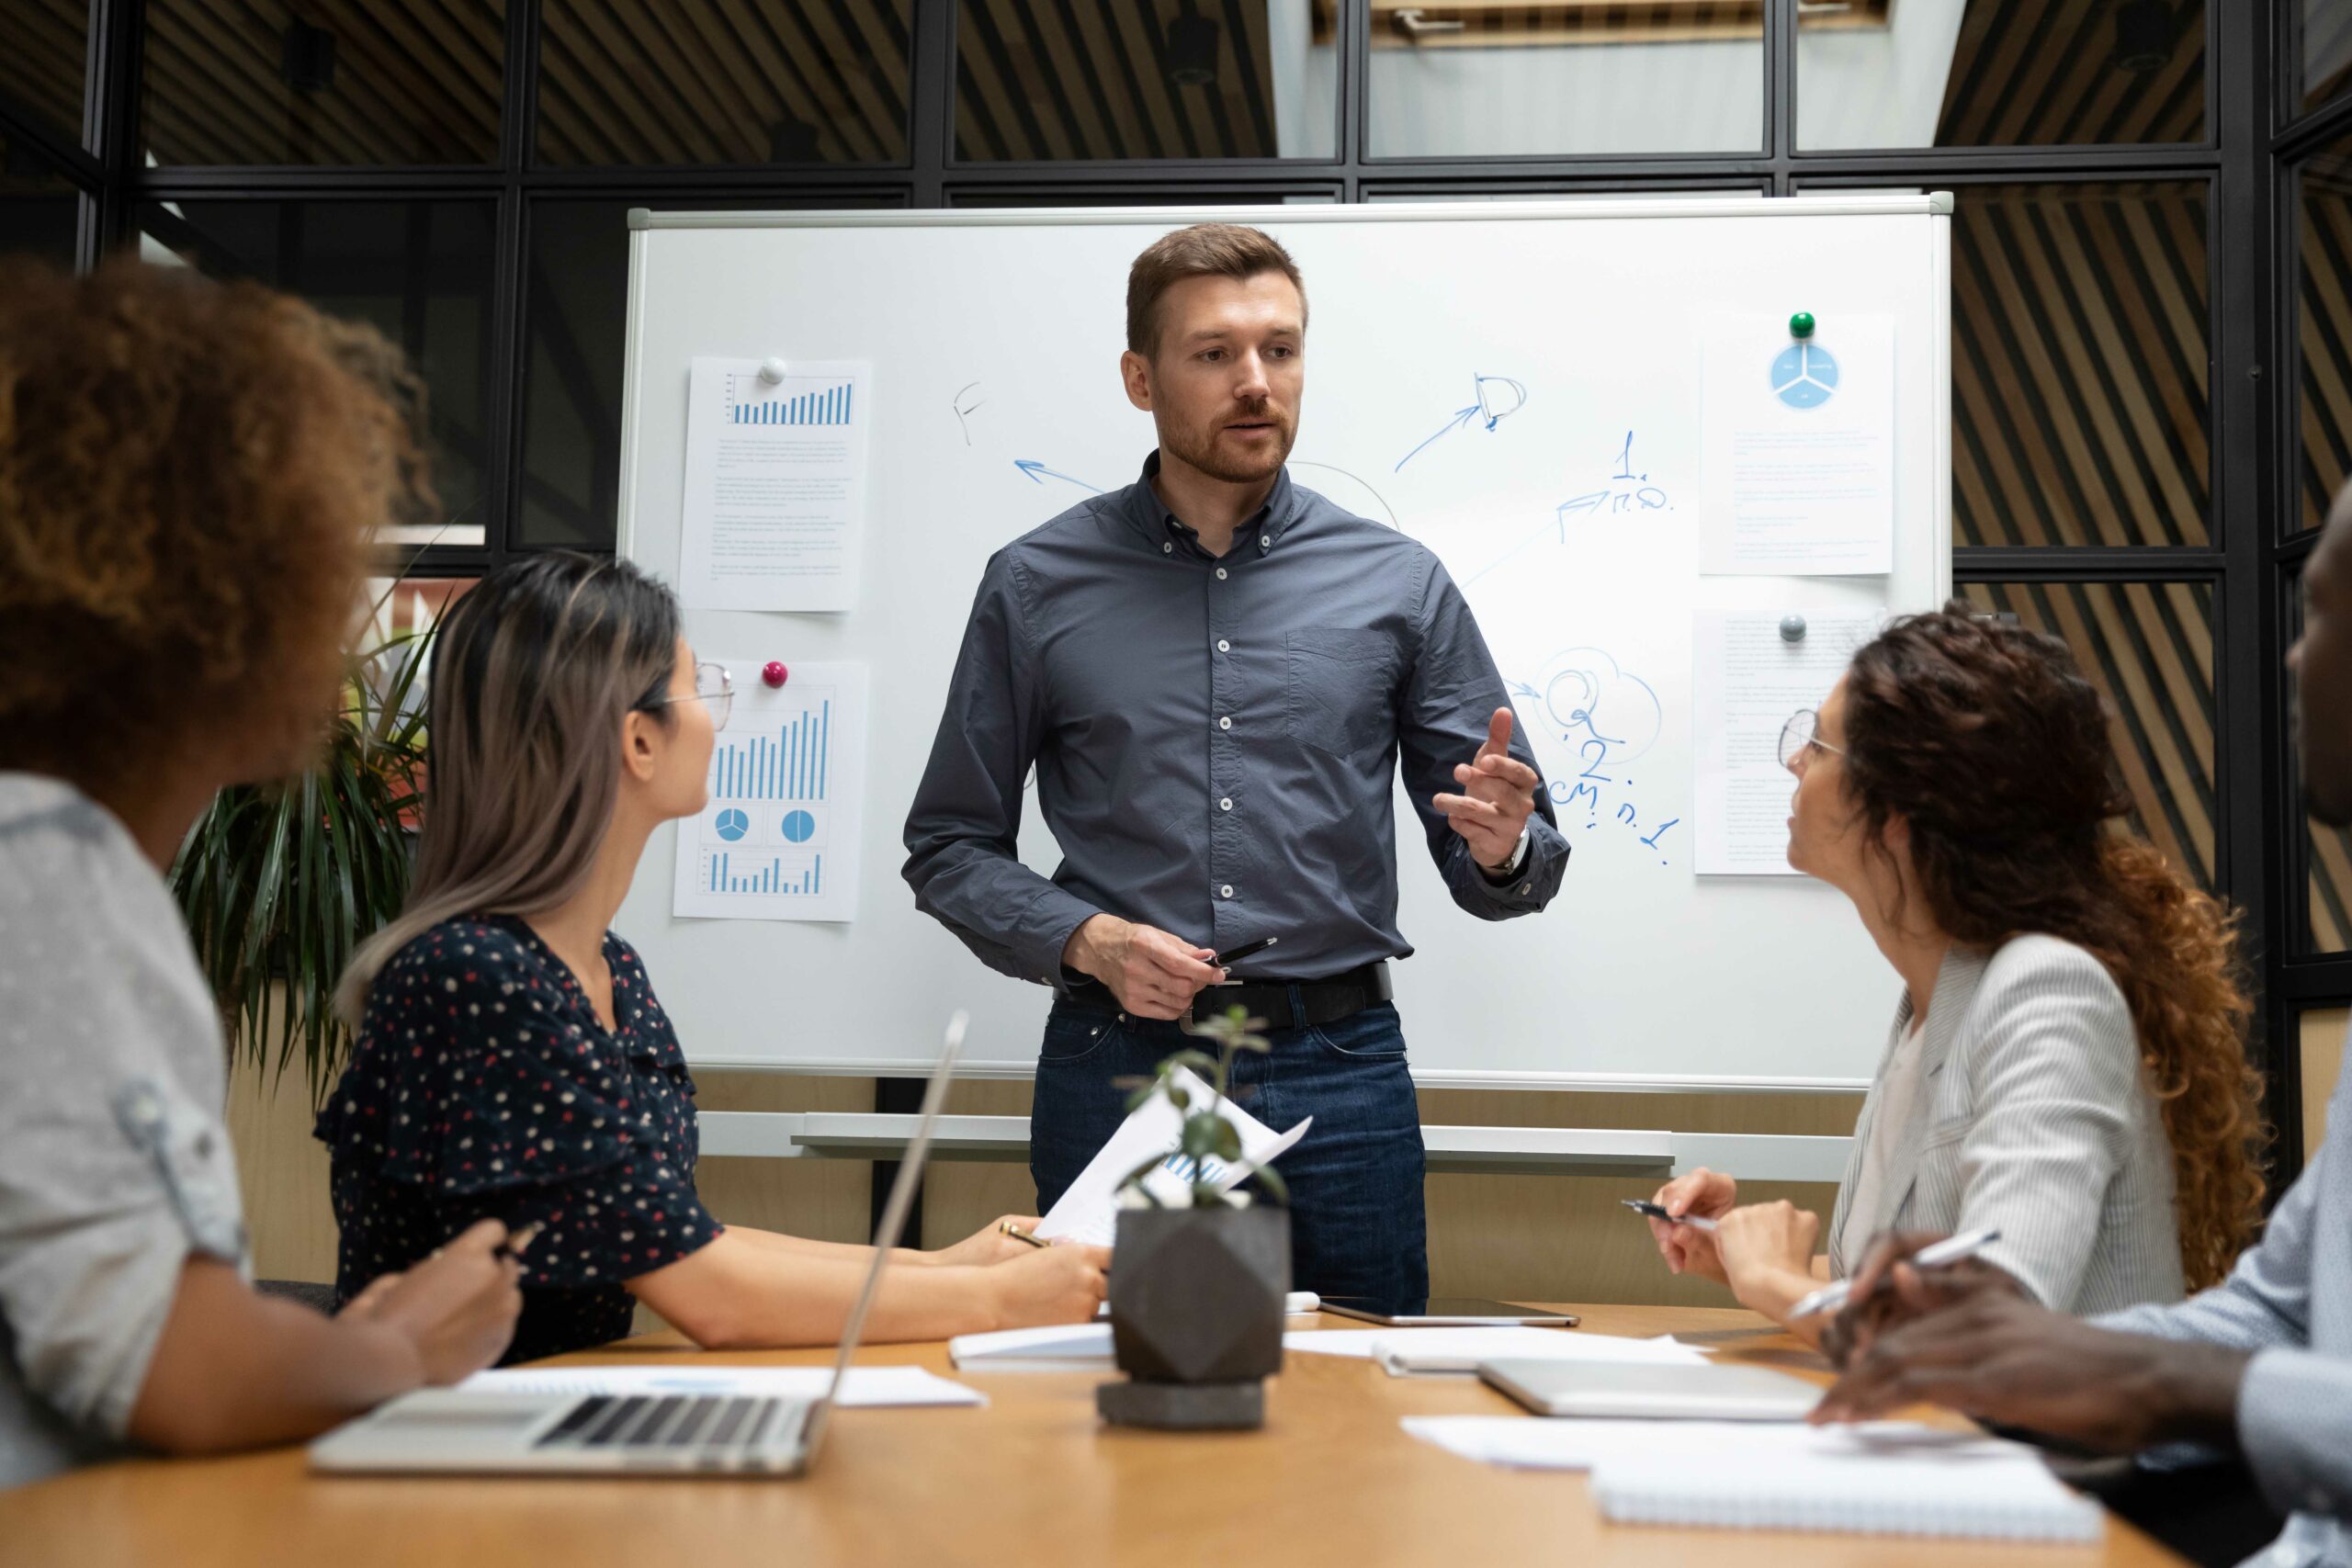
[1984, 1495]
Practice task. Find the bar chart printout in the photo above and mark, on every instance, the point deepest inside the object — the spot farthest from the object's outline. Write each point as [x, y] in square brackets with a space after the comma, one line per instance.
[778, 838]
[774, 498]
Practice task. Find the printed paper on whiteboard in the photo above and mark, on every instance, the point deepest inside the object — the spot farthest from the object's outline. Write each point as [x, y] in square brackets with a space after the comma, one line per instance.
[777, 840]
[1746, 681]
[774, 504]
[1798, 446]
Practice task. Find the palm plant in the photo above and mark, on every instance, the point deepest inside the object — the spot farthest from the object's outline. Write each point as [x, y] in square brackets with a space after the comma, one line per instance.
[280, 881]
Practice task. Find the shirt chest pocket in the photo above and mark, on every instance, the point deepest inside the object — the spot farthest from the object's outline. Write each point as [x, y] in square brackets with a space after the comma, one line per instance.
[1339, 697]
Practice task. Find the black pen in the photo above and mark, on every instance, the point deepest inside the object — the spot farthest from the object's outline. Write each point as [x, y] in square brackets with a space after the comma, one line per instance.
[518, 1239]
[1226, 959]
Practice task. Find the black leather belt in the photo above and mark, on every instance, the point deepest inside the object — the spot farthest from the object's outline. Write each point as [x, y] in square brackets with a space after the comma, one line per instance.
[1325, 1001]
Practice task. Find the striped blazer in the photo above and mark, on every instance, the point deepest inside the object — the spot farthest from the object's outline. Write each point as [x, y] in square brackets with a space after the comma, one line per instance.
[2033, 1114]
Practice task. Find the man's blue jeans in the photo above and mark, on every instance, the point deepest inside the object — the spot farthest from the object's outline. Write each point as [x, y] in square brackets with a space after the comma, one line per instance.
[1357, 1226]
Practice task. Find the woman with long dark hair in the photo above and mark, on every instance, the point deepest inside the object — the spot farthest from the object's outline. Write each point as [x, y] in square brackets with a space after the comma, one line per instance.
[511, 1062]
[2067, 1064]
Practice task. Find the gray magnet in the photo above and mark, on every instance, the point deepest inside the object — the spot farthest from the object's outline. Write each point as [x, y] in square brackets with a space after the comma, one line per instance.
[1792, 628]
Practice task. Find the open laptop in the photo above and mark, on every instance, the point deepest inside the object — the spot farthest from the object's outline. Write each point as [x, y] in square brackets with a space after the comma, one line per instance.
[450, 1430]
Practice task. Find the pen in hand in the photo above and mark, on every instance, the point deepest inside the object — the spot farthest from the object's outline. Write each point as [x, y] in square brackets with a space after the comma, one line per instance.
[1951, 1249]
[1657, 1211]
[516, 1240]
[1017, 1234]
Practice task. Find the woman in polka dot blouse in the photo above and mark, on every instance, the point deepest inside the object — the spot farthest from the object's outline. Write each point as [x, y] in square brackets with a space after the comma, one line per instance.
[512, 1060]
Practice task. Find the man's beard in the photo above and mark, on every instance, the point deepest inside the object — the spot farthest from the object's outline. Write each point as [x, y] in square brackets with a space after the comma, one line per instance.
[1239, 467]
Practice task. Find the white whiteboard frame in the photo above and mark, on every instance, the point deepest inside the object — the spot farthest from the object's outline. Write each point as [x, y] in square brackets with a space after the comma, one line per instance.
[1938, 204]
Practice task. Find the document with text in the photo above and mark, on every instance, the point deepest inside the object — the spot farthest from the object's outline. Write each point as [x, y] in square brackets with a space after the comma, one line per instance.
[774, 504]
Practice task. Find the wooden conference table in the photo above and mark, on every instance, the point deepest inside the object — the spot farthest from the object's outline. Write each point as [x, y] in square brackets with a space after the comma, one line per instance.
[1033, 1478]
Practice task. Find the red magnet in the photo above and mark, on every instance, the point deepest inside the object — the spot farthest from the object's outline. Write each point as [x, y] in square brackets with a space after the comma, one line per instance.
[775, 674]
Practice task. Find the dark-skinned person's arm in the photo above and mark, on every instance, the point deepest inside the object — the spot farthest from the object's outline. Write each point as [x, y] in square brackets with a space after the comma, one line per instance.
[2230, 1365]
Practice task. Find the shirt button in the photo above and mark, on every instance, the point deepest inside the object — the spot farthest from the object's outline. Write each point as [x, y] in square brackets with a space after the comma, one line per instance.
[1523, 888]
[1225, 723]
[1220, 574]
[1265, 541]
[1225, 804]
[1168, 548]
[1223, 646]
[1226, 891]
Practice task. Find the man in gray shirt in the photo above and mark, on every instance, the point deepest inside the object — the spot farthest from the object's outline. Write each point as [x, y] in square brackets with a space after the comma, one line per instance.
[1215, 673]
[2261, 1363]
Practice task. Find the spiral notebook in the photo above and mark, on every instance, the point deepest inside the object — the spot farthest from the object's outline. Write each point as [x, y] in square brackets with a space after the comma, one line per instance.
[1981, 1496]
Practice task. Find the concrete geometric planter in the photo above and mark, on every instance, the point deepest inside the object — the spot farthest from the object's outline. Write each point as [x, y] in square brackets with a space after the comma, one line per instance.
[1196, 1315]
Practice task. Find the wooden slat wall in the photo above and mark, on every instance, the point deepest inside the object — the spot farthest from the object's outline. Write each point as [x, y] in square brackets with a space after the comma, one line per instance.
[2079, 365]
[704, 81]
[43, 48]
[2323, 371]
[1063, 79]
[2150, 648]
[417, 82]
[2040, 73]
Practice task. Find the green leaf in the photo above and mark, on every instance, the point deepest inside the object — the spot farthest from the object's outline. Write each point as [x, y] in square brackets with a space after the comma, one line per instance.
[1200, 1139]
[1266, 1176]
[1228, 1140]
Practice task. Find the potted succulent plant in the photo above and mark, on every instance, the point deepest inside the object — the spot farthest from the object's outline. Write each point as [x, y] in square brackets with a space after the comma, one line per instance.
[1201, 1270]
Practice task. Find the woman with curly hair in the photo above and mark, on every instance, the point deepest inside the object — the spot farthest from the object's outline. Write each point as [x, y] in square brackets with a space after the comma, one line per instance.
[190, 474]
[2067, 1064]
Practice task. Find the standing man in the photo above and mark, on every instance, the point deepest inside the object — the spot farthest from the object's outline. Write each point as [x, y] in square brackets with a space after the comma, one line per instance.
[2261, 1366]
[1215, 673]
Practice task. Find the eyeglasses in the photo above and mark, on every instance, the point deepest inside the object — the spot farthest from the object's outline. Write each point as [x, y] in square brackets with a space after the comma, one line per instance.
[1800, 738]
[712, 685]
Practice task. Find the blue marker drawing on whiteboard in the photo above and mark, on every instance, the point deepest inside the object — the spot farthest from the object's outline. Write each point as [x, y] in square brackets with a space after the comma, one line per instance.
[1627, 492]
[1038, 474]
[1497, 398]
[1585, 689]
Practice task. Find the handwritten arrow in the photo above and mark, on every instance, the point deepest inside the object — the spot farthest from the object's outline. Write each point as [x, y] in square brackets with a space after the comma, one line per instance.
[1038, 474]
[1461, 417]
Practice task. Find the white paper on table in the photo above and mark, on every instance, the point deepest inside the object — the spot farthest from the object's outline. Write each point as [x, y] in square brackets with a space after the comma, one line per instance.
[1059, 1348]
[873, 1387]
[1297, 1304]
[1573, 1443]
[1089, 1211]
[1745, 681]
[774, 502]
[778, 838]
[1406, 1351]
[1797, 456]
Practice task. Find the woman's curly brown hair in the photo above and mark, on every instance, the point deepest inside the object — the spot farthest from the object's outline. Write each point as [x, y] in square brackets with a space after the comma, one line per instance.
[1988, 742]
[190, 473]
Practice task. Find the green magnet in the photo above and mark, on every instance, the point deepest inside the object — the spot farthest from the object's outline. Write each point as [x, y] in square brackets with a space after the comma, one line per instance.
[1801, 325]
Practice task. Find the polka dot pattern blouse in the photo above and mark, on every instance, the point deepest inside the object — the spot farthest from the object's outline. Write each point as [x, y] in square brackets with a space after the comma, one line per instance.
[483, 1086]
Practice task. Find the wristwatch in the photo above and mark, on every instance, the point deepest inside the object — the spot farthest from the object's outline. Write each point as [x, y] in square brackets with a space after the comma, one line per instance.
[1509, 868]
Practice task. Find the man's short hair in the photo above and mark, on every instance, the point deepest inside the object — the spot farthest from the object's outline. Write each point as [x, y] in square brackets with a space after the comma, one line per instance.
[1205, 250]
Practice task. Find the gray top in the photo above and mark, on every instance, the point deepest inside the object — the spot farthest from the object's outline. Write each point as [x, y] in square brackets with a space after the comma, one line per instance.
[1215, 738]
[114, 1164]
[2032, 1113]
[2290, 1301]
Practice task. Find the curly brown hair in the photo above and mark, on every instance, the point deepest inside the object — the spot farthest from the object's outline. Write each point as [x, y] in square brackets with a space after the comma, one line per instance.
[1987, 740]
[190, 473]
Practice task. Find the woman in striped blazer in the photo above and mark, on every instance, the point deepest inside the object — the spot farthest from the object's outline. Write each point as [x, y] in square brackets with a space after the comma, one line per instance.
[2067, 1061]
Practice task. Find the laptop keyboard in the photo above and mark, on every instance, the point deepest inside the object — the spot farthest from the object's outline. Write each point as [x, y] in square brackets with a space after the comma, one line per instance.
[667, 1423]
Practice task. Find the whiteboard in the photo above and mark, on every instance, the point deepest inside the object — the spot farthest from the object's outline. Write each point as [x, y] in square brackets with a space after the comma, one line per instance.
[1641, 974]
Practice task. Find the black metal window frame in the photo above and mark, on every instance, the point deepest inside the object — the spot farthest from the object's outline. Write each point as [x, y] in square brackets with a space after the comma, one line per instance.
[2246, 160]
